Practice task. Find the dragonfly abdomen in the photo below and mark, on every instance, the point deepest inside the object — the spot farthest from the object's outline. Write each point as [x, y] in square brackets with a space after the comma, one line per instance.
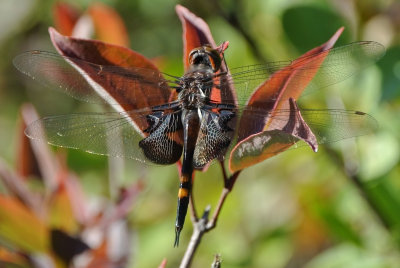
[191, 128]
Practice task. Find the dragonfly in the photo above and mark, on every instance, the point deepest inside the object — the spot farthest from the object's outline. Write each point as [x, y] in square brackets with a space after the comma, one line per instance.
[194, 118]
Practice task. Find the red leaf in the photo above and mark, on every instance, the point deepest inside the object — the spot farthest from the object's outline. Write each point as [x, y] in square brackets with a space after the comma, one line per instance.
[283, 85]
[298, 128]
[280, 88]
[118, 87]
[196, 33]
[109, 26]
[260, 146]
[65, 17]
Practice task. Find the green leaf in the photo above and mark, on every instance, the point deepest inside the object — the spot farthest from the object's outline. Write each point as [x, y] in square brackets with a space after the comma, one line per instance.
[306, 26]
[390, 66]
[386, 203]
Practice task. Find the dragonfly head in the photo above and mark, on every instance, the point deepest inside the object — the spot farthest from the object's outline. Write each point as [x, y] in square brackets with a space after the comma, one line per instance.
[205, 57]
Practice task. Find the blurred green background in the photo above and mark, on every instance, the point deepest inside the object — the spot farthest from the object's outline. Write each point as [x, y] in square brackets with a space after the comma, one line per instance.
[339, 207]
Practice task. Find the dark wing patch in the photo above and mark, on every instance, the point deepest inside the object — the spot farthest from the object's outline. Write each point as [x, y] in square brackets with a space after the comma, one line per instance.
[214, 137]
[163, 145]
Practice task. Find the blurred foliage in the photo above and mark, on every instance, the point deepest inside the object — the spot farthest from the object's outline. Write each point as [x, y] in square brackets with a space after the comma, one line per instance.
[336, 208]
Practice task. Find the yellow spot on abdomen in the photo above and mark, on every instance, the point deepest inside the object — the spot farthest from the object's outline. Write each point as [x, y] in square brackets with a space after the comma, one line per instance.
[183, 193]
[184, 178]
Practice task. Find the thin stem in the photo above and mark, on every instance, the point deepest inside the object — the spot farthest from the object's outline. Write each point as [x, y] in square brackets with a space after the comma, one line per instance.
[225, 176]
[212, 223]
[199, 229]
[203, 225]
[217, 261]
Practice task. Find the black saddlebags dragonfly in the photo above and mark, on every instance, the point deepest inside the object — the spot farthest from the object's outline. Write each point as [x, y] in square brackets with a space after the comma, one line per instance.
[194, 117]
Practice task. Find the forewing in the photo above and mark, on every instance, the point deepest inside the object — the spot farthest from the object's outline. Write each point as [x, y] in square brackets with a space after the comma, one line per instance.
[66, 74]
[95, 71]
[339, 64]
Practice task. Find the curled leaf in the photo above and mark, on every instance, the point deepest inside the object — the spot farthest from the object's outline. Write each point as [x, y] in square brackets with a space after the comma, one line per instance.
[282, 86]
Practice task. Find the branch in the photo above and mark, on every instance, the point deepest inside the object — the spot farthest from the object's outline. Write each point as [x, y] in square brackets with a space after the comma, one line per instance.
[199, 229]
[204, 224]
[217, 261]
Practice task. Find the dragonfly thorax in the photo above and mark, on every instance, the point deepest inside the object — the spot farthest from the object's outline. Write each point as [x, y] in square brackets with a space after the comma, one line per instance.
[195, 88]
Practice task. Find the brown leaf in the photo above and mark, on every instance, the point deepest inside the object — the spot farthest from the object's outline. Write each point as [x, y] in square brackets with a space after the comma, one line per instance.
[287, 83]
[283, 85]
[269, 143]
[258, 147]
[129, 87]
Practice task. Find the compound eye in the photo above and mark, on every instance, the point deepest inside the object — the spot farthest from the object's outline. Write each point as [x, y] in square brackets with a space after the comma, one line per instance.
[207, 56]
[214, 59]
[193, 55]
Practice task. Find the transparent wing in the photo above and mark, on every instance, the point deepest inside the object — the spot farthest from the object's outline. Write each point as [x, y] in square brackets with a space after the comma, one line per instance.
[114, 133]
[147, 87]
[111, 134]
[95, 83]
[339, 64]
